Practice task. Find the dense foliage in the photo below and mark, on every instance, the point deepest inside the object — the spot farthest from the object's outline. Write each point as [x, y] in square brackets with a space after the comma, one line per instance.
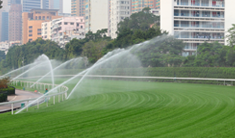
[3, 96]
[18, 56]
[212, 55]
[4, 82]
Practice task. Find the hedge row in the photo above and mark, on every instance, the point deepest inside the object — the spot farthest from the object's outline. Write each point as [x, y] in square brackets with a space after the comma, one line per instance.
[10, 90]
[3, 96]
[200, 72]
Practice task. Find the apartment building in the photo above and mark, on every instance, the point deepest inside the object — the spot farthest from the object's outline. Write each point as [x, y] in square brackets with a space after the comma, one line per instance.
[96, 15]
[64, 29]
[138, 5]
[28, 5]
[197, 21]
[119, 10]
[5, 26]
[46, 30]
[15, 22]
[32, 23]
[4, 17]
[78, 7]
[56, 4]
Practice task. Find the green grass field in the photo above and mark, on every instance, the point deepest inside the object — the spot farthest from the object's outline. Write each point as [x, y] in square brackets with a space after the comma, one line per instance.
[118, 109]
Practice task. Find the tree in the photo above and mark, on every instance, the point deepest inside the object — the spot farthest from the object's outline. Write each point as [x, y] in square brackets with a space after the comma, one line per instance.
[94, 50]
[164, 52]
[208, 54]
[74, 48]
[31, 51]
[231, 36]
[99, 35]
[138, 21]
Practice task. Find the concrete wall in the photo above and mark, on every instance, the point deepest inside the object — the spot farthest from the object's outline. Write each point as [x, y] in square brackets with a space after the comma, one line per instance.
[229, 15]
[98, 15]
[167, 16]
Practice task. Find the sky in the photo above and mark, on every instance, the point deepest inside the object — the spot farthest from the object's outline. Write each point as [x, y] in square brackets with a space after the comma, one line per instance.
[67, 6]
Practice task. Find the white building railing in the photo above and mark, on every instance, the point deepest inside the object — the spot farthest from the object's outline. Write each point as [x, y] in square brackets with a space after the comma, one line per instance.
[61, 94]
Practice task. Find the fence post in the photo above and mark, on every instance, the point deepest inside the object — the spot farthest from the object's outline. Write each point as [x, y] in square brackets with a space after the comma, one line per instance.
[224, 82]
[27, 105]
[38, 103]
[58, 98]
[12, 108]
[47, 100]
[65, 95]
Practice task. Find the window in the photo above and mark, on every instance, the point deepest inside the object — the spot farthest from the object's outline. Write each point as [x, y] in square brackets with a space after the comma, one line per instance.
[30, 27]
[30, 31]
[30, 35]
[71, 23]
[65, 23]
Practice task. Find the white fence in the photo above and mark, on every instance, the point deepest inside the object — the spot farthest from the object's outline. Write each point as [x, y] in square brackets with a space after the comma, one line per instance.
[60, 93]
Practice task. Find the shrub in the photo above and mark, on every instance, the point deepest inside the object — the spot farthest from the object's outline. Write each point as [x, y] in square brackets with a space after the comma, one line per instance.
[3, 96]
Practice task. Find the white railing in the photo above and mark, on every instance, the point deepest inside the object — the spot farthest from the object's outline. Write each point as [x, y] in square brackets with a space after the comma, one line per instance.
[60, 93]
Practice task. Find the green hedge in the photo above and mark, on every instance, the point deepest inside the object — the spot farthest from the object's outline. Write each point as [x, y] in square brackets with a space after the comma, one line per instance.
[3, 96]
[10, 90]
[200, 72]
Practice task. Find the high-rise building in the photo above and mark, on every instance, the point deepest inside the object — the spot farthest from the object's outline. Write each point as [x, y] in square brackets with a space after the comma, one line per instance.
[138, 5]
[4, 10]
[197, 21]
[119, 10]
[4, 26]
[32, 23]
[15, 21]
[96, 15]
[28, 5]
[56, 4]
[78, 7]
[45, 4]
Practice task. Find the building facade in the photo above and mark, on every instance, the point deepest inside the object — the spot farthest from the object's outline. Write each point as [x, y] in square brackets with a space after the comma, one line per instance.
[63, 29]
[32, 23]
[138, 5]
[119, 10]
[197, 21]
[15, 22]
[96, 15]
[78, 7]
[5, 26]
[56, 4]
[28, 5]
[46, 30]
[3, 11]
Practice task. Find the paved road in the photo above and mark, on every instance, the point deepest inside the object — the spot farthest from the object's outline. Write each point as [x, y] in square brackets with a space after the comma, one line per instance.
[20, 95]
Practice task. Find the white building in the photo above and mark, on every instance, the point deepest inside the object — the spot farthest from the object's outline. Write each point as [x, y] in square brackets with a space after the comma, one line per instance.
[96, 15]
[62, 30]
[119, 9]
[197, 21]
[46, 30]
[4, 46]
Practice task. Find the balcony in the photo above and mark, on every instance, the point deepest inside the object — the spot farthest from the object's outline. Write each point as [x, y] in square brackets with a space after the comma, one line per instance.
[198, 4]
[198, 15]
[209, 26]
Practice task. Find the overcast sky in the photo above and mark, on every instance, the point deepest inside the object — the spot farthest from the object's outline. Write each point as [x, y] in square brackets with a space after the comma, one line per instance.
[67, 6]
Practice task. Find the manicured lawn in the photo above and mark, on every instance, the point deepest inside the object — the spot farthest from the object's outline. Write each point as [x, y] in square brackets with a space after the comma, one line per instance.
[108, 108]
